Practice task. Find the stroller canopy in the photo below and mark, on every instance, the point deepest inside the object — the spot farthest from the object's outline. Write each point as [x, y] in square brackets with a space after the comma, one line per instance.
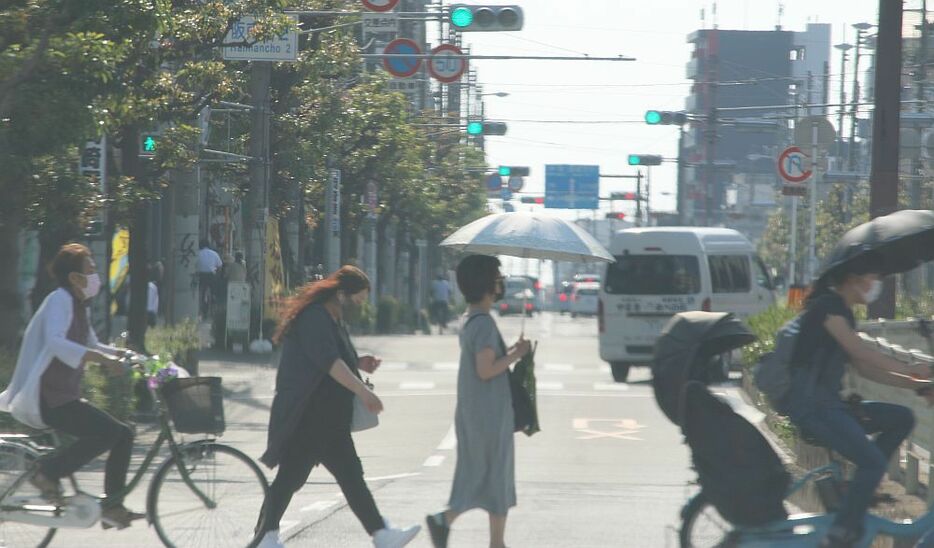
[683, 352]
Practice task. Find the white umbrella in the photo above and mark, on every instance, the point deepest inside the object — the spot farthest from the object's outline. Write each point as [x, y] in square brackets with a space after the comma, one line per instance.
[529, 236]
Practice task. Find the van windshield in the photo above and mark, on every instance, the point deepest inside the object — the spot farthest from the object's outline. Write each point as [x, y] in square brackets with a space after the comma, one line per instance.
[653, 275]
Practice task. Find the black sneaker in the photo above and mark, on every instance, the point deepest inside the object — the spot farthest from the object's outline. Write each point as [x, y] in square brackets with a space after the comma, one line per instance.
[49, 489]
[438, 530]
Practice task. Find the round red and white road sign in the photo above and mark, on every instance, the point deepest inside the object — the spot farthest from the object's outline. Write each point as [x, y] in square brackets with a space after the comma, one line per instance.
[794, 165]
[445, 68]
[379, 5]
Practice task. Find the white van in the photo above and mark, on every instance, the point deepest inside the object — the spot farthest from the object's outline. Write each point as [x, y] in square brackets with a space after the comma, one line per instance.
[662, 271]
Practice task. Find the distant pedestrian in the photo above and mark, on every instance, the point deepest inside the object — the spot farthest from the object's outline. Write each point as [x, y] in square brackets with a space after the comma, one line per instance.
[484, 477]
[440, 301]
[312, 412]
[209, 262]
[152, 304]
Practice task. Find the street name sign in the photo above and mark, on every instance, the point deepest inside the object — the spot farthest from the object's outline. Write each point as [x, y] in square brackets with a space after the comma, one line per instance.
[280, 48]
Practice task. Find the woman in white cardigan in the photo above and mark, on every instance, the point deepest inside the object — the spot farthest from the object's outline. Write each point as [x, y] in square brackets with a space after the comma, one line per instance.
[45, 391]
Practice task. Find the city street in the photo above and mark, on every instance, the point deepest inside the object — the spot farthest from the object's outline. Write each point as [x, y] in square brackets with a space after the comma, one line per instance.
[607, 469]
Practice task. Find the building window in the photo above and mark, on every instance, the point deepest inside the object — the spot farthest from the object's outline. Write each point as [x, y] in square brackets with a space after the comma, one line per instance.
[797, 53]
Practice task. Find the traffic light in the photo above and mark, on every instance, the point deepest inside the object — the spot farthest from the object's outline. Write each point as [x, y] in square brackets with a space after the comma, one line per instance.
[623, 196]
[149, 143]
[617, 216]
[486, 128]
[486, 18]
[533, 200]
[645, 160]
[665, 118]
[513, 171]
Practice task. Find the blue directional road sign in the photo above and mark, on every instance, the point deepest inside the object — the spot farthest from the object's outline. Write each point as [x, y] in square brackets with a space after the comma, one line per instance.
[572, 187]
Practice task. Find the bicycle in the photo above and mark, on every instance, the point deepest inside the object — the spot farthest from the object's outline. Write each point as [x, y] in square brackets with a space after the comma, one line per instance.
[702, 525]
[194, 496]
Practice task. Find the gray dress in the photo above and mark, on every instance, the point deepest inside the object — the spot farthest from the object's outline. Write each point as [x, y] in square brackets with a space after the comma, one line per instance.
[485, 474]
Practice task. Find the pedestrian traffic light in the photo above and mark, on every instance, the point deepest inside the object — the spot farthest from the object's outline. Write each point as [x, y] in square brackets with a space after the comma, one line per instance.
[486, 128]
[645, 160]
[513, 171]
[533, 200]
[665, 118]
[616, 216]
[623, 196]
[486, 18]
[149, 143]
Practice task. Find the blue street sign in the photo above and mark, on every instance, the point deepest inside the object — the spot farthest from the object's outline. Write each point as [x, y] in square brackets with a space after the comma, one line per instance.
[494, 183]
[572, 187]
[506, 194]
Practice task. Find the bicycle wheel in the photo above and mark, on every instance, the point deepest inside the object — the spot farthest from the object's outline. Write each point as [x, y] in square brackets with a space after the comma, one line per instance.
[701, 525]
[234, 484]
[16, 460]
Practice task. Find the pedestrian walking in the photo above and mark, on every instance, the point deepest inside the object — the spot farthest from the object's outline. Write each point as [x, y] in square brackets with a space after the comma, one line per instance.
[440, 301]
[484, 477]
[826, 343]
[313, 409]
[45, 391]
[209, 262]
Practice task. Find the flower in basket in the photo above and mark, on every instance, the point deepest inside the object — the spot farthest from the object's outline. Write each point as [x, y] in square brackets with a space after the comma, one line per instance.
[159, 370]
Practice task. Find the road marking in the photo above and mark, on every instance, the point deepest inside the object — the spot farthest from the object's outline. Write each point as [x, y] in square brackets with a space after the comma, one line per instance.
[549, 385]
[394, 366]
[446, 366]
[622, 429]
[394, 476]
[434, 460]
[450, 440]
[318, 506]
[610, 386]
[558, 367]
[417, 385]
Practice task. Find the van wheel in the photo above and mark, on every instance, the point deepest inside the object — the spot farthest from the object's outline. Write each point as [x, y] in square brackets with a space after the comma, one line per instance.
[620, 371]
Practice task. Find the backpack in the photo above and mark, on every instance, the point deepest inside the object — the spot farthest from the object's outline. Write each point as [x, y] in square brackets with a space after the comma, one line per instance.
[739, 472]
[773, 373]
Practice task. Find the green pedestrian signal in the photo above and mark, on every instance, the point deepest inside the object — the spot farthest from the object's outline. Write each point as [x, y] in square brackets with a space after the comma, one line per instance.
[462, 17]
[148, 144]
[475, 128]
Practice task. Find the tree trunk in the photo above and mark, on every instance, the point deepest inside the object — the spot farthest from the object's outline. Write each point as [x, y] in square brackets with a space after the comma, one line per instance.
[10, 303]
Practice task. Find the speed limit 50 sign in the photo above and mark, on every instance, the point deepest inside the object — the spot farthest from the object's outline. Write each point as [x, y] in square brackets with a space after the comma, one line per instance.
[446, 65]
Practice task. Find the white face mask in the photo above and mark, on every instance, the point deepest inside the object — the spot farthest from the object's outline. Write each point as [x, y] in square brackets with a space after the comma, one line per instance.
[875, 289]
[93, 286]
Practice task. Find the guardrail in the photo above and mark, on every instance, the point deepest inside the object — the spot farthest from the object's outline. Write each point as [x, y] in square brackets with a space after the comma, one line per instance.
[904, 341]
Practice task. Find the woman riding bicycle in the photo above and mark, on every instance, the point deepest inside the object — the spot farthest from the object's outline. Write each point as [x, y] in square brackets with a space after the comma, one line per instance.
[45, 391]
[827, 341]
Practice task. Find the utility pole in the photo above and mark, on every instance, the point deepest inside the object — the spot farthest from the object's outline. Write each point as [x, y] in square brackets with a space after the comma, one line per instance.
[255, 206]
[683, 218]
[883, 197]
[711, 141]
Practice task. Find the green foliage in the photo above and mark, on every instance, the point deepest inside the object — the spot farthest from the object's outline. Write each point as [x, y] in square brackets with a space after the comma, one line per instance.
[172, 342]
[388, 313]
[764, 325]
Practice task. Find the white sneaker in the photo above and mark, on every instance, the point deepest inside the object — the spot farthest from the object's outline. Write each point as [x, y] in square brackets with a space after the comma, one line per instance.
[395, 538]
[270, 540]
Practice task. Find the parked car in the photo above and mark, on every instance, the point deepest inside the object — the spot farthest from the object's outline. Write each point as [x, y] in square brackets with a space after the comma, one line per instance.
[662, 271]
[520, 297]
[588, 278]
[585, 299]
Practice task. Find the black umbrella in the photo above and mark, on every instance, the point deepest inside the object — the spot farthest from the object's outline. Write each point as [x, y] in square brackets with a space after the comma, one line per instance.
[684, 349]
[893, 243]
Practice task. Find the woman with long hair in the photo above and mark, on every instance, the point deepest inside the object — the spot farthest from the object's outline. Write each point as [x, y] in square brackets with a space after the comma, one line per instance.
[827, 341]
[484, 477]
[312, 412]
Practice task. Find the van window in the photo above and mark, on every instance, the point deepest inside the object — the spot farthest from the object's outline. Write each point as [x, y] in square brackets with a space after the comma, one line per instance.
[762, 275]
[729, 273]
[653, 275]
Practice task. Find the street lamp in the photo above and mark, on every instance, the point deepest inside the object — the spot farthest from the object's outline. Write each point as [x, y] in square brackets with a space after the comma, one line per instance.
[480, 140]
[861, 29]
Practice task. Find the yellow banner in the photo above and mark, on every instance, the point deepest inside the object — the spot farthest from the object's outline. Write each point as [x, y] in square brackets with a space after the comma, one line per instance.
[275, 274]
[119, 264]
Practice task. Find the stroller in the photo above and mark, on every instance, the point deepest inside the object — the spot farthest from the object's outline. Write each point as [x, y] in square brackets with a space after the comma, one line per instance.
[738, 471]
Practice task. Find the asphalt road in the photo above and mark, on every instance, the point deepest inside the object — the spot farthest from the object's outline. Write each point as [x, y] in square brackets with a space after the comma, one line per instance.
[607, 469]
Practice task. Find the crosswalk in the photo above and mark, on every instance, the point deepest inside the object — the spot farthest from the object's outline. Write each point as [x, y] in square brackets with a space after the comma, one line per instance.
[397, 367]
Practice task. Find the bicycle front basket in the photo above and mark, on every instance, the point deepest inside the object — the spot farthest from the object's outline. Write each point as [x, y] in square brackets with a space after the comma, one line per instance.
[196, 404]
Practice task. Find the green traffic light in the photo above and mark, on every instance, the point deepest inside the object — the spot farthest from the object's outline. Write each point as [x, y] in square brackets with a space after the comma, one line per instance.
[653, 117]
[149, 144]
[634, 160]
[462, 17]
[505, 171]
[474, 128]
